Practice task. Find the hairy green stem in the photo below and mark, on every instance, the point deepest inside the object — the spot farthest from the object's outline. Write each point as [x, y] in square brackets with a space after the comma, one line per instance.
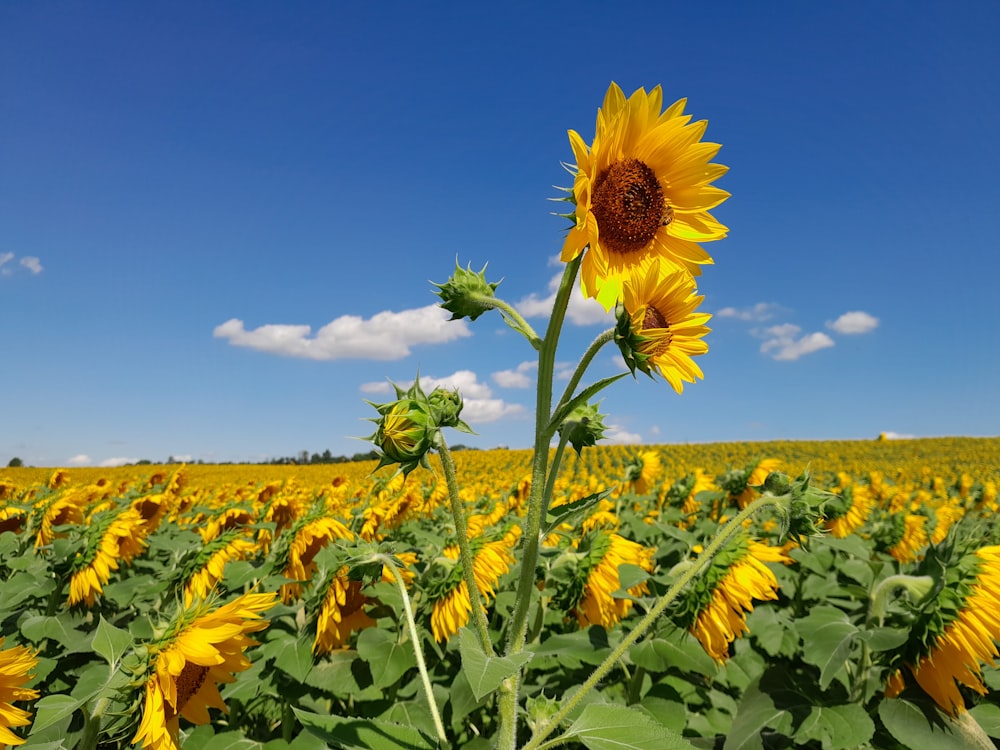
[507, 704]
[585, 360]
[465, 549]
[411, 624]
[732, 527]
[514, 316]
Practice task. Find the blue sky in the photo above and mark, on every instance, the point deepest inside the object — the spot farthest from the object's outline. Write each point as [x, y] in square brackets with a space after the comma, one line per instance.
[191, 191]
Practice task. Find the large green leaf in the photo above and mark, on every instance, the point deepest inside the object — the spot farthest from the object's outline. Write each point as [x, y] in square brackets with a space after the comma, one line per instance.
[589, 646]
[363, 734]
[929, 728]
[988, 717]
[756, 712]
[827, 638]
[52, 708]
[673, 649]
[609, 727]
[110, 642]
[387, 659]
[292, 655]
[841, 727]
[485, 673]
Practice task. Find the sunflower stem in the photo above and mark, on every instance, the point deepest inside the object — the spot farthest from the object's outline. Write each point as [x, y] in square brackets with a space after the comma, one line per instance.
[513, 317]
[465, 549]
[411, 625]
[732, 527]
[581, 368]
[508, 699]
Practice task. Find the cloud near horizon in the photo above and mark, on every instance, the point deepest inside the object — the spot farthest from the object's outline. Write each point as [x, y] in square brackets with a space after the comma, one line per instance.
[853, 322]
[479, 405]
[385, 336]
[784, 343]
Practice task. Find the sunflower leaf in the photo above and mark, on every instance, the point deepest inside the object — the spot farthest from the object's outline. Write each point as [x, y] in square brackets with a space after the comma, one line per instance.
[583, 397]
[485, 673]
[111, 642]
[363, 734]
[602, 726]
[566, 512]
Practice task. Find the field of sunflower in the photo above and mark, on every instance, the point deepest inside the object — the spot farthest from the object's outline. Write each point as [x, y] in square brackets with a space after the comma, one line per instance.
[277, 606]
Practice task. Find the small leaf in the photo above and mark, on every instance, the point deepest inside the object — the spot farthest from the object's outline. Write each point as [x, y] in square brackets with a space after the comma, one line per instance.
[567, 512]
[111, 642]
[363, 734]
[603, 726]
[388, 660]
[485, 673]
[53, 708]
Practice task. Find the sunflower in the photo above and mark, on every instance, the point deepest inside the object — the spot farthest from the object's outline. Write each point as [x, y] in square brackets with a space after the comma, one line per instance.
[598, 605]
[210, 563]
[642, 190]
[718, 604]
[15, 666]
[205, 649]
[309, 536]
[852, 510]
[660, 327]
[452, 604]
[643, 471]
[341, 613]
[966, 641]
[912, 541]
[113, 539]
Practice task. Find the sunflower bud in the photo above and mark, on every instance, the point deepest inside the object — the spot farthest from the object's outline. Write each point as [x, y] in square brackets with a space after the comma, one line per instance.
[405, 430]
[446, 406]
[777, 483]
[466, 294]
[630, 342]
[583, 427]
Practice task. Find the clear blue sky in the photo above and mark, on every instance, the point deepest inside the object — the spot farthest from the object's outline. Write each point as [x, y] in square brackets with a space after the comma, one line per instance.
[175, 176]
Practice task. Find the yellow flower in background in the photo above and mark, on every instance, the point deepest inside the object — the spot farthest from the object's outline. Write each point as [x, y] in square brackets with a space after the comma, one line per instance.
[342, 612]
[643, 471]
[642, 190]
[856, 513]
[212, 567]
[15, 669]
[204, 651]
[914, 539]
[660, 328]
[598, 606]
[967, 642]
[491, 560]
[723, 618]
[116, 539]
[309, 538]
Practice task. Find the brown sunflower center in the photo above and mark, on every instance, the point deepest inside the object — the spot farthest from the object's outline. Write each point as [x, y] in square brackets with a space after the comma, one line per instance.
[653, 320]
[189, 682]
[628, 204]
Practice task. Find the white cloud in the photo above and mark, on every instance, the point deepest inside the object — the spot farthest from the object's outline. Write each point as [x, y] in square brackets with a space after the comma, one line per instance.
[81, 459]
[31, 263]
[385, 336]
[897, 436]
[479, 405]
[758, 313]
[6, 258]
[581, 310]
[118, 461]
[619, 435]
[854, 322]
[516, 378]
[784, 343]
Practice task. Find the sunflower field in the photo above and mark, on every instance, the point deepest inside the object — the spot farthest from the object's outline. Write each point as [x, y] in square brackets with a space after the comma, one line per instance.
[263, 606]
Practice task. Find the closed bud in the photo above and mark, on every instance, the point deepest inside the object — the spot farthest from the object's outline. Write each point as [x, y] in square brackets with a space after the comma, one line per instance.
[446, 406]
[583, 427]
[466, 294]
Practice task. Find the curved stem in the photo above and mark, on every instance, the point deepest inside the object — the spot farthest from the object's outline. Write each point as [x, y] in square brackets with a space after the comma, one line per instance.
[514, 317]
[732, 527]
[415, 637]
[585, 360]
[507, 735]
[465, 549]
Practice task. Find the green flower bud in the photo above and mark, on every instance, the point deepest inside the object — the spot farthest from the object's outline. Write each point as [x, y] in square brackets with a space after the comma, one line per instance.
[446, 406]
[583, 427]
[541, 709]
[466, 294]
[630, 343]
[777, 483]
[405, 430]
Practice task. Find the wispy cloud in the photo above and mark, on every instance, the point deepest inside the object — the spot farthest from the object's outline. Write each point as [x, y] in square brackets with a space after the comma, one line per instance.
[784, 343]
[479, 405]
[117, 461]
[29, 262]
[853, 322]
[517, 378]
[758, 313]
[619, 435]
[385, 336]
[581, 310]
[81, 459]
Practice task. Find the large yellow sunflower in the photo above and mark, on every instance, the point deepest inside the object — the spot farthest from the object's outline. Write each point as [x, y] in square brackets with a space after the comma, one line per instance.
[642, 190]
[663, 329]
[15, 667]
[722, 618]
[599, 606]
[204, 650]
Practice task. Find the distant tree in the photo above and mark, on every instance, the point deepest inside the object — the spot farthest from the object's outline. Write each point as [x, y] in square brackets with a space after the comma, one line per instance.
[14, 463]
[327, 457]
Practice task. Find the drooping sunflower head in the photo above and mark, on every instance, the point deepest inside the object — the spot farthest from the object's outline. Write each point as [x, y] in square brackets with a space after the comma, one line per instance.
[659, 327]
[16, 664]
[642, 189]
